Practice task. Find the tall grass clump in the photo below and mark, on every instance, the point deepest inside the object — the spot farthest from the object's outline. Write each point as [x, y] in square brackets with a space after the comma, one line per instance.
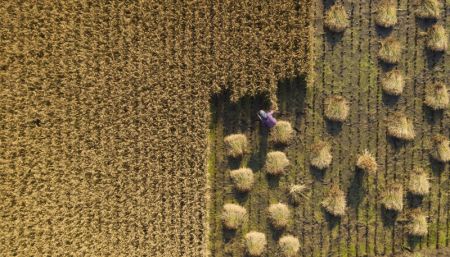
[336, 108]
[282, 132]
[367, 162]
[297, 193]
[436, 96]
[386, 13]
[400, 127]
[276, 163]
[418, 223]
[419, 183]
[429, 9]
[441, 148]
[236, 145]
[393, 82]
[242, 179]
[437, 38]
[255, 243]
[336, 18]
[279, 215]
[233, 215]
[289, 245]
[335, 202]
[321, 155]
[390, 51]
[393, 197]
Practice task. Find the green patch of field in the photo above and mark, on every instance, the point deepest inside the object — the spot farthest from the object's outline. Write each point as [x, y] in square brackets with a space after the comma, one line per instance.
[346, 65]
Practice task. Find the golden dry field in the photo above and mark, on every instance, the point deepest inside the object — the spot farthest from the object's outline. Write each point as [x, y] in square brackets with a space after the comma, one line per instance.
[113, 116]
[105, 113]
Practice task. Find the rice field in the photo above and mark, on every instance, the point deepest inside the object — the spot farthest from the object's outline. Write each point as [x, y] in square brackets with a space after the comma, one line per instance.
[113, 116]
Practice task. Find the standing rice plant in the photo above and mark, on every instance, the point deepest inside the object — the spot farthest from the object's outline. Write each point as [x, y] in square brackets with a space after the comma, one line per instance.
[393, 82]
[419, 182]
[282, 132]
[276, 163]
[400, 127]
[367, 162]
[336, 18]
[279, 215]
[390, 50]
[242, 179]
[336, 108]
[255, 243]
[236, 145]
[233, 215]
[429, 9]
[335, 202]
[418, 223]
[393, 197]
[289, 245]
[436, 96]
[437, 38]
[321, 155]
[386, 13]
[297, 193]
[441, 148]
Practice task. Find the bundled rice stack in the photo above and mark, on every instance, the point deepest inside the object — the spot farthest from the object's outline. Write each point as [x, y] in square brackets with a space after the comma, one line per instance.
[400, 127]
[233, 215]
[321, 155]
[393, 197]
[279, 215]
[276, 163]
[336, 18]
[242, 179]
[236, 145]
[335, 202]
[386, 13]
[367, 163]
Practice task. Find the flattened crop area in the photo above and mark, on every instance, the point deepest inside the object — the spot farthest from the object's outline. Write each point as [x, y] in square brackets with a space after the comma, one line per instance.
[346, 65]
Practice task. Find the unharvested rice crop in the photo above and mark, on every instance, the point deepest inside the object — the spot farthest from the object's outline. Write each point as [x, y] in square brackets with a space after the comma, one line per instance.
[419, 183]
[282, 132]
[279, 215]
[236, 145]
[418, 223]
[233, 215]
[289, 245]
[337, 19]
[393, 82]
[255, 243]
[393, 197]
[321, 155]
[436, 96]
[336, 108]
[335, 202]
[429, 9]
[437, 38]
[367, 162]
[390, 50]
[401, 127]
[276, 163]
[105, 116]
[386, 13]
[243, 179]
[441, 148]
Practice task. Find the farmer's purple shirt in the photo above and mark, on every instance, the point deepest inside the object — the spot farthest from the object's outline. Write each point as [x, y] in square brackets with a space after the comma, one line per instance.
[270, 121]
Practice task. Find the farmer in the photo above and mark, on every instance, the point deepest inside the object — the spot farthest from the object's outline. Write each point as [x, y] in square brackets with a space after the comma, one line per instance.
[267, 119]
